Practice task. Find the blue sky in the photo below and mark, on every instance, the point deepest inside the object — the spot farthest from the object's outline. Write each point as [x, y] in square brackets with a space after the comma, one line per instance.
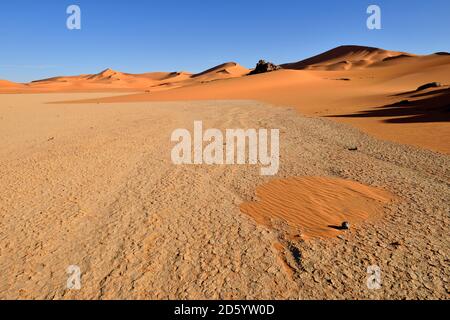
[145, 35]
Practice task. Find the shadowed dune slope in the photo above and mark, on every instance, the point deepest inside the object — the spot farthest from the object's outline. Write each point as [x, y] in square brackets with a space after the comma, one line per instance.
[429, 106]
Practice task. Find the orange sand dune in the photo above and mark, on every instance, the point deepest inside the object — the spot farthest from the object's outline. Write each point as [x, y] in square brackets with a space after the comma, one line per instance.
[223, 71]
[9, 85]
[345, 58]
[316, 207]
[108, 80]
[325, 93]
[111, 80]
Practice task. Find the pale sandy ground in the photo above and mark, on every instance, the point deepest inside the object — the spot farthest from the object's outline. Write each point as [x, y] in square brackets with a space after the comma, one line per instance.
[93, 185]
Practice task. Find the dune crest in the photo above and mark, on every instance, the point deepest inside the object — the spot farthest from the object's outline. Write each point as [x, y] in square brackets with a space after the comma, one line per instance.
[112, 80]
[225, 70]
[345, 58]
[316, 206]
[9, 84]
[107, 74]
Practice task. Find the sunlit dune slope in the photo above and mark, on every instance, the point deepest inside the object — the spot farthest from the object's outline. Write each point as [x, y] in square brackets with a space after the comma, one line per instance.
[346, 58]
[111, 80]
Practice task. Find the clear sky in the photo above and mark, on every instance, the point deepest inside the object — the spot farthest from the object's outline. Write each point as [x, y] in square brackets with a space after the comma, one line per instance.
[171, 35]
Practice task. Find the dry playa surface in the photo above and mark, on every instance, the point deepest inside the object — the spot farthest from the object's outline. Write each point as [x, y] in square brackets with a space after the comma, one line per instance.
[93, 185]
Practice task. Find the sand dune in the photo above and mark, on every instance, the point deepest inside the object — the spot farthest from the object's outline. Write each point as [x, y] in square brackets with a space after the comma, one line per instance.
[223, 71]
[8, 85]
[108, 75]
[107, 80]
[346, 58]
[111, 80]
[94, 186]
[323, 93]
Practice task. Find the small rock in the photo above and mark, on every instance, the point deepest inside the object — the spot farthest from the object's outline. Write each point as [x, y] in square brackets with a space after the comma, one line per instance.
[345, 225]
[353, 149]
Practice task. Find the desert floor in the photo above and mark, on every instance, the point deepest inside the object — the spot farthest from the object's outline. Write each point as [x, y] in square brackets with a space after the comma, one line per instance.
[93, 185]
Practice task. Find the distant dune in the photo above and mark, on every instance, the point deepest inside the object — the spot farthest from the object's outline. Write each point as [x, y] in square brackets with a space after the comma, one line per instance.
[5, 84]
[111, 80]
[226, 70]
[345, 58]
[373, 77]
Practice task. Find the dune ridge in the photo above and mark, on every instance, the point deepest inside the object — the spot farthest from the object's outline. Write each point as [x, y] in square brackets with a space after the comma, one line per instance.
[346, 58]
[9, 84]
[112, 80]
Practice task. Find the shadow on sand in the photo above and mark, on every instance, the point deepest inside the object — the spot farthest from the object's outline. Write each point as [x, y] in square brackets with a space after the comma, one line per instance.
[431, 106]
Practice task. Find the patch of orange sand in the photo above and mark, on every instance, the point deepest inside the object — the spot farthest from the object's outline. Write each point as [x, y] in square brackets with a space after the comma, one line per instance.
[316, 206]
